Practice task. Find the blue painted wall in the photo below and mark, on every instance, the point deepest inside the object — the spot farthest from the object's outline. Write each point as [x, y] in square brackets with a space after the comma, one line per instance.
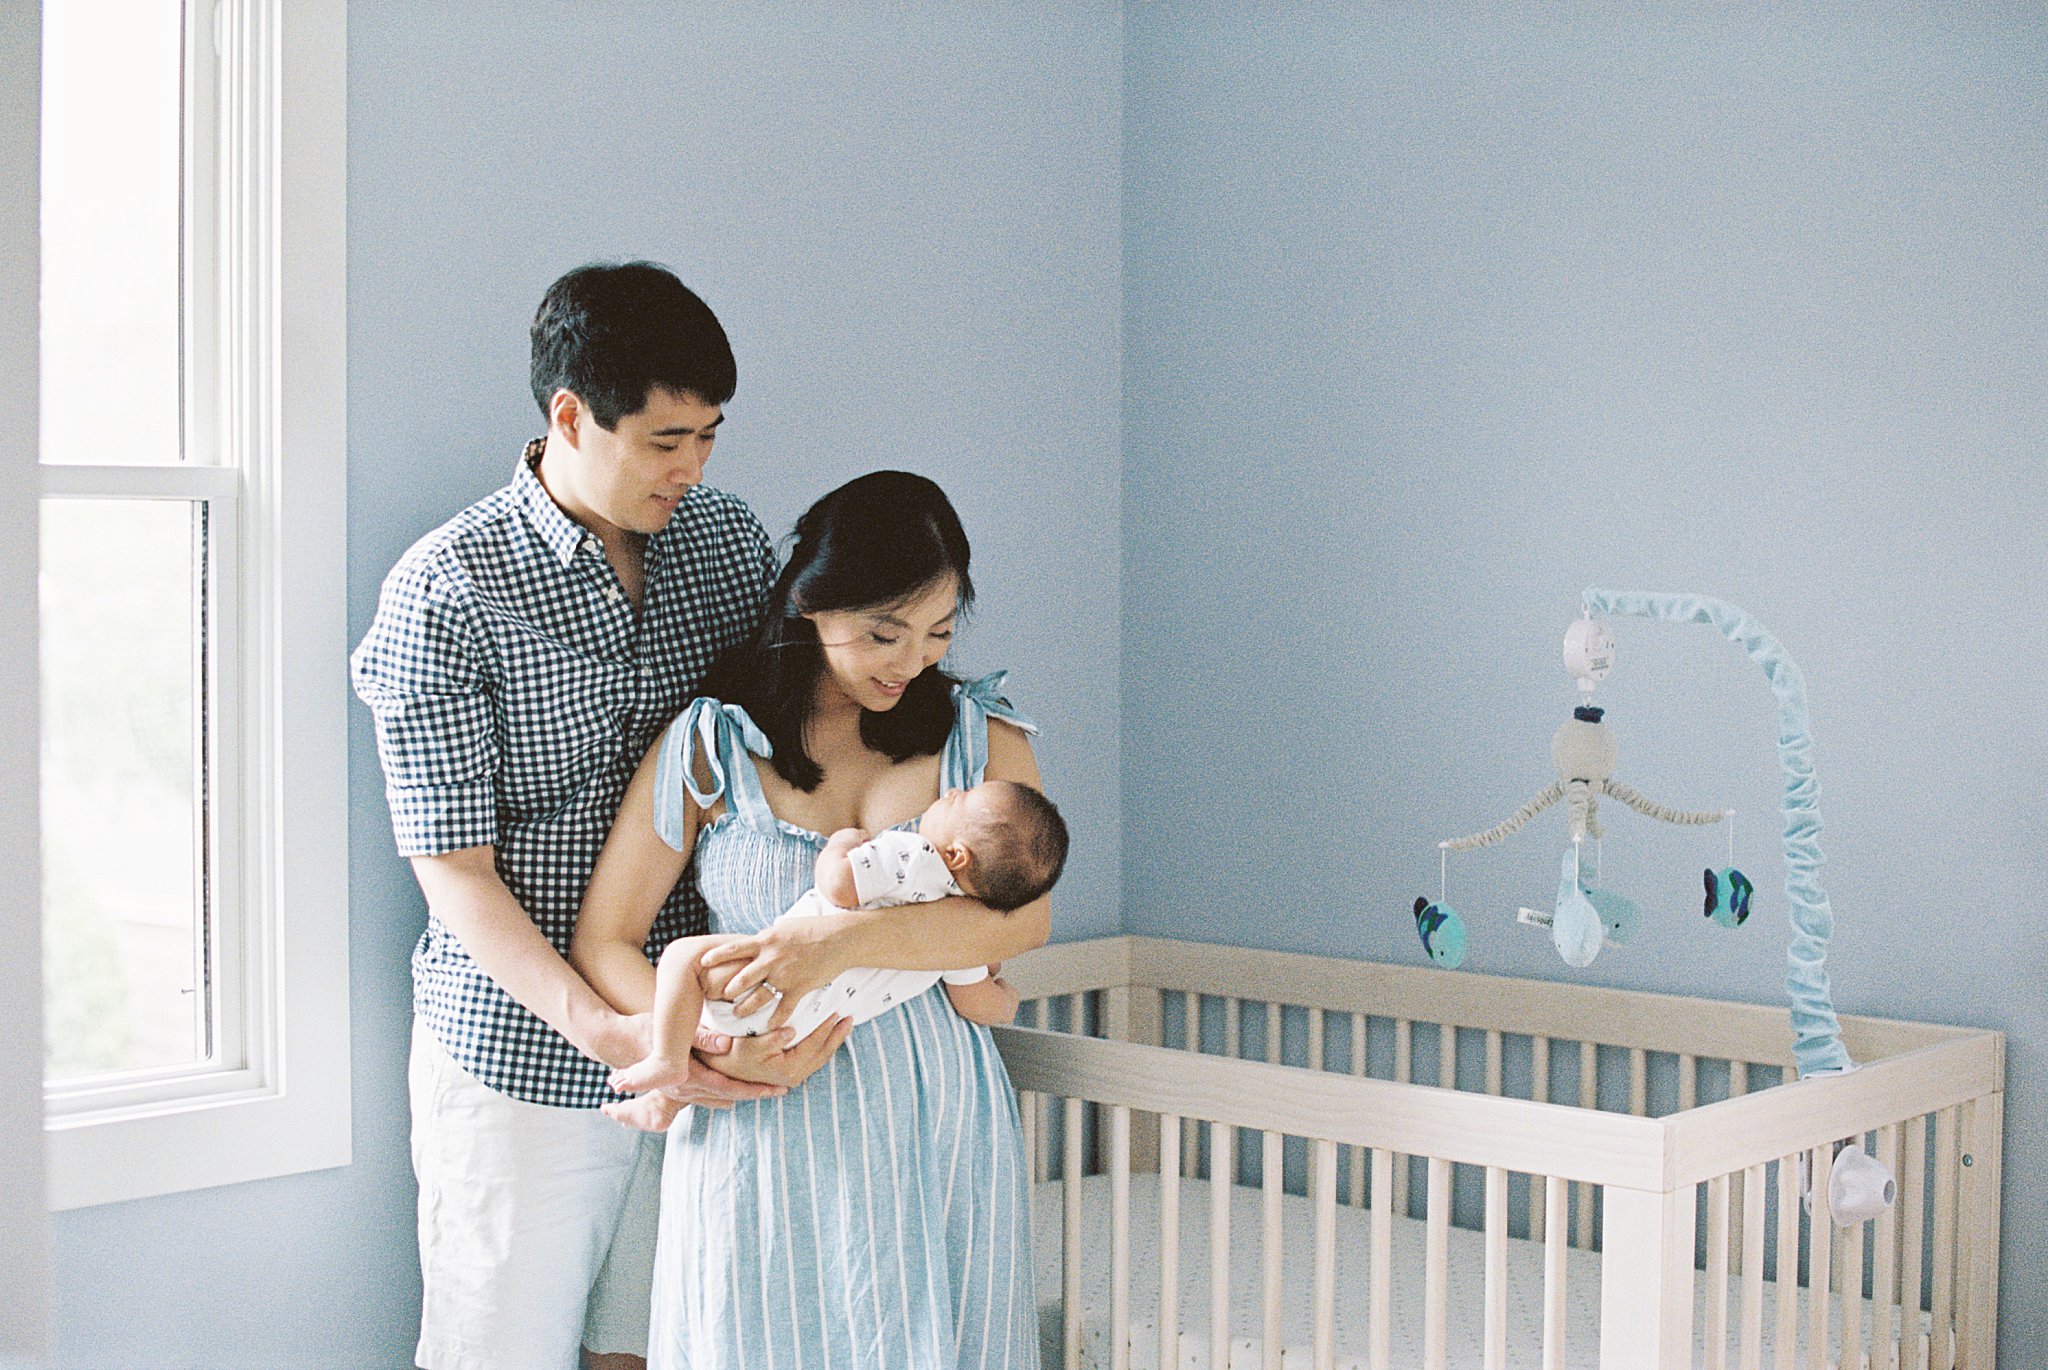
[1283, 493]
[909, 224]
[1431, 321]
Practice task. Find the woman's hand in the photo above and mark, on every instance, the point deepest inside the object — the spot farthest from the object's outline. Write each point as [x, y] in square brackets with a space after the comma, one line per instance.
[778, 965]
[772, 1059]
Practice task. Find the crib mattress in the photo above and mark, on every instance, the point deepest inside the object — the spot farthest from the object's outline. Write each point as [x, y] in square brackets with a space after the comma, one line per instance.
[1465, 1323]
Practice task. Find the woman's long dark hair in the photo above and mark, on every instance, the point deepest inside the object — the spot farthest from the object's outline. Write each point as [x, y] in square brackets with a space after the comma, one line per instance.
[874, 542]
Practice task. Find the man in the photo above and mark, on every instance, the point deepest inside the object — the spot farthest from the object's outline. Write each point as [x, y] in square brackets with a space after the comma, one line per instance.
[524, 656]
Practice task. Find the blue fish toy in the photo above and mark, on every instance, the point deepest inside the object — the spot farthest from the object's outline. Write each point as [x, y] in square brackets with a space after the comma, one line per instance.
[1728, 892]
[1442, 932]
[1619, 916]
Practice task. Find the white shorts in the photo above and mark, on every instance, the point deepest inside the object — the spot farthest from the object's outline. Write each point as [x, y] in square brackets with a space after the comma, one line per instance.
[536, 1224]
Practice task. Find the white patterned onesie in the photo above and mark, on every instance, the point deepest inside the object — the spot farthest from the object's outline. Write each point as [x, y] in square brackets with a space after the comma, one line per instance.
[893, 868]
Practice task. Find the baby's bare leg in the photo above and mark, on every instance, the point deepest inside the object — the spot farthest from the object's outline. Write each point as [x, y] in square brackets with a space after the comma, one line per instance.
[678, 1005]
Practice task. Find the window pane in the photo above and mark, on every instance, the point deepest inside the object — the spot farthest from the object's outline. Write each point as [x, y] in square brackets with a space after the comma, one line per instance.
[122, 910]
[110, 223]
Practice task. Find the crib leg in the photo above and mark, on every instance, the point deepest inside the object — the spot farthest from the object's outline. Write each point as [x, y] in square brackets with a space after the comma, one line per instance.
[1977, 1292]
[1646, 1242]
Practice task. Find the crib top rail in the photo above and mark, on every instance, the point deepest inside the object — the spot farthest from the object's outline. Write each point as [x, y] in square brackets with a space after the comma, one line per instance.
[1753, 1033]
[1719, 1138]
[1474, 1129]
[1654, 1154]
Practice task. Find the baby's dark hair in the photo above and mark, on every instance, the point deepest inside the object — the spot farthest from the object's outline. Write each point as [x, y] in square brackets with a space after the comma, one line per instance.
[1018, 857]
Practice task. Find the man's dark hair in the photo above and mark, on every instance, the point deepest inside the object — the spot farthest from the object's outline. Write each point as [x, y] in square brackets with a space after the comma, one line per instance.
[1019, 858]
[609, 334]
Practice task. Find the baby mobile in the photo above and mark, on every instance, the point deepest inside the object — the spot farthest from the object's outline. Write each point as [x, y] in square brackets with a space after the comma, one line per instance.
[1584, 917]
[1585, 753]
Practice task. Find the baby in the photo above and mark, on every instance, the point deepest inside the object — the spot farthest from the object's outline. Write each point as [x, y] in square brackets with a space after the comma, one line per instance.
[1001, 843]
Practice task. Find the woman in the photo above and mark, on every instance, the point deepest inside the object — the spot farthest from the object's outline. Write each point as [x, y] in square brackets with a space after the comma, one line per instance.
[875, 1215]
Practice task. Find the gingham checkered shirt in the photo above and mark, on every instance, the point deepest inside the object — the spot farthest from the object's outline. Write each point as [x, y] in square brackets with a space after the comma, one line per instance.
[515, 691]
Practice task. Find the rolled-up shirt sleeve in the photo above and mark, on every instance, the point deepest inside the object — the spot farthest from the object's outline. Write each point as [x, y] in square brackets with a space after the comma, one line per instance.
[421, 670]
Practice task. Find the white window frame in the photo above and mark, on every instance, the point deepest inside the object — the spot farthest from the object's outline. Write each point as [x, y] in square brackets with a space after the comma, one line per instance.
[264, 339]
[24, 1227]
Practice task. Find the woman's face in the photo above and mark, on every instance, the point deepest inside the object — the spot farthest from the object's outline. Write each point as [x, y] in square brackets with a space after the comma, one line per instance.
[872, 654]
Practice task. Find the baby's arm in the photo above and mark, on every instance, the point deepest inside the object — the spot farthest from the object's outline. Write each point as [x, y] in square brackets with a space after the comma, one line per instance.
[991, 1002]
[834, 874]
[678, 1005]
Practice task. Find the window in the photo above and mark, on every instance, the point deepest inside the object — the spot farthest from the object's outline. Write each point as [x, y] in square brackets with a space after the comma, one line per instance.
[192, 632]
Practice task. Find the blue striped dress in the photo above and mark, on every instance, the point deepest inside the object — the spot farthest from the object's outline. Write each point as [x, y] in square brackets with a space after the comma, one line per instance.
[874, 1218]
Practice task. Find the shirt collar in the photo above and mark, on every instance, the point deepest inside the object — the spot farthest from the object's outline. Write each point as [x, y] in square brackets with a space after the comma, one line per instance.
[562, 534]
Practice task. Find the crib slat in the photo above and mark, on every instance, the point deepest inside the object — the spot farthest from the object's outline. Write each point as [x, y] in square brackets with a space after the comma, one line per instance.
[1358, 1069]
[1849, 1288]
[1738, 1084]
[1120, 1238]
[1884, 1263]
[1192, 1030]
[1169, 1240]
[1912, 1224]
[1382, 1293]
[1539, 1090]
[1270, 1188]
[1315, 1038]
[1070, 1240]
[1589, 1098]
[1027, 1114]
[1556, 1196]
[1273, 1026]
[1941, 1344]
[1753, 1268]
[1221, 1165]
[1436, 1265]
[1233, 1047]
[1404, 1071]
[1717, 1273]
[1447, 1056]
[1493, 1062]
[1638, 1081]
[1077, 1014]
[1820, 1233]
[1688, 1082]
[1496, 1268]
[1325, 1181]
[1041, 1107]
[1786, 1329]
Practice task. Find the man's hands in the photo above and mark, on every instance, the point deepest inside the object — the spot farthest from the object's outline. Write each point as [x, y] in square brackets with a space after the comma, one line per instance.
[672, 1086]
[722, 1071]
[773, 1059]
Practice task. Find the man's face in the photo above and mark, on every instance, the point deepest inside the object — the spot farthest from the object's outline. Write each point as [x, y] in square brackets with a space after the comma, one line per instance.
[631, 477]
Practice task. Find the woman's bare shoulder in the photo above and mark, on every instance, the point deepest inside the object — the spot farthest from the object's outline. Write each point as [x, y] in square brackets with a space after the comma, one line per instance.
[1009, 753]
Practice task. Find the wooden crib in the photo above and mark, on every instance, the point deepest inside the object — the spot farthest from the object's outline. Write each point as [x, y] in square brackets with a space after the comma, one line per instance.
[1583, 1177]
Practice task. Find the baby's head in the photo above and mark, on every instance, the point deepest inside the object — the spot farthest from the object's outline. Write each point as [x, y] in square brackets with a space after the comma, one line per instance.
[1004, 842]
